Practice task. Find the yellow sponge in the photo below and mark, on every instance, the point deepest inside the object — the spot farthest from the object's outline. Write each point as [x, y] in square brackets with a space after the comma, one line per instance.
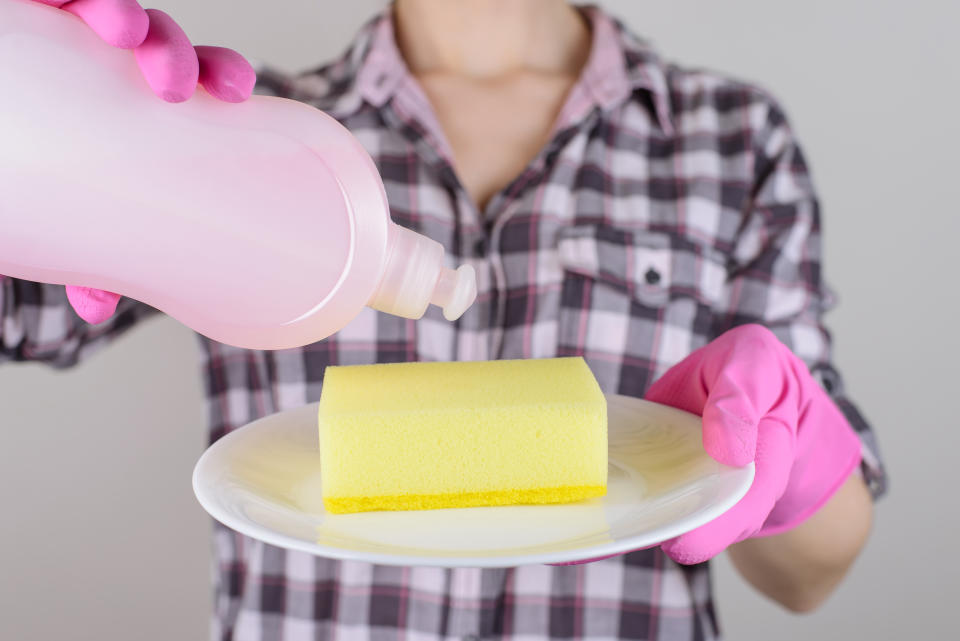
[418, 436]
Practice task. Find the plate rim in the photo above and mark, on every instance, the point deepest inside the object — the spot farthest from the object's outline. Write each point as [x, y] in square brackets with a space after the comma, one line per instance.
[254, 530]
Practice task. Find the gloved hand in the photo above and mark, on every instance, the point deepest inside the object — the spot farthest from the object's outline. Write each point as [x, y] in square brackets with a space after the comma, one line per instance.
[171, 66]
[759, 403]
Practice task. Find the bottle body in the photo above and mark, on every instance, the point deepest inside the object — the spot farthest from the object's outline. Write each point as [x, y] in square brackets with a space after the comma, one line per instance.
[262, 224]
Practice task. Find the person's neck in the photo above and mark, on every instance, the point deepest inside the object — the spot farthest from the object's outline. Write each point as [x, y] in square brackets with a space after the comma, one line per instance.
[491, 38]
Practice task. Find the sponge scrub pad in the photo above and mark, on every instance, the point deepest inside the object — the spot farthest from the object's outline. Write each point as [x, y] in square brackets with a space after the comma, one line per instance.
[416, 436]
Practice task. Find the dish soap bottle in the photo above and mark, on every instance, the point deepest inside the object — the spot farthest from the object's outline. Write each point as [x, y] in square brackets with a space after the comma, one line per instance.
[262, 224]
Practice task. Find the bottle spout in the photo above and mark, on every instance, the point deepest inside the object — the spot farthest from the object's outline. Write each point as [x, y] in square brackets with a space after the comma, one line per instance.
[414, 277]
[455, 291]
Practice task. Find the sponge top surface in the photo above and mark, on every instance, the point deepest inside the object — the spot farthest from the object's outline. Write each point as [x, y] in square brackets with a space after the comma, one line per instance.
[410, 387]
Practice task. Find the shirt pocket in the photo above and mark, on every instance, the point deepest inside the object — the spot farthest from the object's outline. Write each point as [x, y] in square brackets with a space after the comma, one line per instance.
[632, 302]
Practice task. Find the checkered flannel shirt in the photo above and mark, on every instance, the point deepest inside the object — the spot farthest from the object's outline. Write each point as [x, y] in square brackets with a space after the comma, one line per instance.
[669, 206]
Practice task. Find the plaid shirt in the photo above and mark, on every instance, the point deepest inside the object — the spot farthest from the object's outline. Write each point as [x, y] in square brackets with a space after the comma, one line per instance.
[669, 206]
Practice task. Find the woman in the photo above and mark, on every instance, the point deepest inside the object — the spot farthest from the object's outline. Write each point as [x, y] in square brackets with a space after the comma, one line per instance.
[658, 221]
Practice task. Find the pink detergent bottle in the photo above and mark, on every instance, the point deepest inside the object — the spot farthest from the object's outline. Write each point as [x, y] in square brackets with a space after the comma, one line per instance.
[262, 224]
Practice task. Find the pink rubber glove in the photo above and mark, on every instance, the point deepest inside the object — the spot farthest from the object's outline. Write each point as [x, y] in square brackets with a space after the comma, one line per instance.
[759, 403]
[172, 67]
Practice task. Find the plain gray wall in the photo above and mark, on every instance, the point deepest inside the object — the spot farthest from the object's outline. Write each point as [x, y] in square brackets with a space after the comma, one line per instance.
[95, 463]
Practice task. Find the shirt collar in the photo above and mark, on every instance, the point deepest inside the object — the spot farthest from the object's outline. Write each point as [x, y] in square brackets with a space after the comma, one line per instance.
[639, 62]
[384, 69]
[617, 65]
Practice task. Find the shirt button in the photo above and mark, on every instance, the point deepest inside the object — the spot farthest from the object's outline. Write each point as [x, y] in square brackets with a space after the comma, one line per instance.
[652, 276]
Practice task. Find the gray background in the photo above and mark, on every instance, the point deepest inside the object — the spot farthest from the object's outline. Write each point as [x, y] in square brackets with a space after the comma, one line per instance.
[95, 463]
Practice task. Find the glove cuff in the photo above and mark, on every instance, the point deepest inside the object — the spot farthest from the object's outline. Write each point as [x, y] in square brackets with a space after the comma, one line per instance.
[827, 452]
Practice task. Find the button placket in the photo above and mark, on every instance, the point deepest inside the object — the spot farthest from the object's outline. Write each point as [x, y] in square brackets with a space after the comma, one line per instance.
[498, 293]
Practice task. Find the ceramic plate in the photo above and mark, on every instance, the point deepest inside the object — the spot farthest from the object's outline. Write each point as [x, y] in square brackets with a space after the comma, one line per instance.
[263, 480]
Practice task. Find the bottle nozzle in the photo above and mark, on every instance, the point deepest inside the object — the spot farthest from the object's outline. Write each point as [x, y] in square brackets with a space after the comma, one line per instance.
[414, 277]
[455, 291]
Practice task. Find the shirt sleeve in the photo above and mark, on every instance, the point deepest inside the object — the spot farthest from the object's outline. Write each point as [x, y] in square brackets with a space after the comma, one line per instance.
[37, 324]
[774, 273]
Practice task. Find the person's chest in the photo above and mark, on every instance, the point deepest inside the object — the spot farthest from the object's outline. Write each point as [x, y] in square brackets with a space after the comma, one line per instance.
[609, 241]
[612, 246]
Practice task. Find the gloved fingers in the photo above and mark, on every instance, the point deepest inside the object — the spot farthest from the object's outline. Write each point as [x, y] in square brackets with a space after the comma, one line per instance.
[743, 520]
[225, 74]
[167, 59]
[120, 23]
[681, 386]
[745, 381]
[92, 305]
[729, 413]
[750, 352]
[730, 421]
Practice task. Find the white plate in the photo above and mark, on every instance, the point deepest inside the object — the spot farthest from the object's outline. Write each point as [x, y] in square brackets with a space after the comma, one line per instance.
[263, 480]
